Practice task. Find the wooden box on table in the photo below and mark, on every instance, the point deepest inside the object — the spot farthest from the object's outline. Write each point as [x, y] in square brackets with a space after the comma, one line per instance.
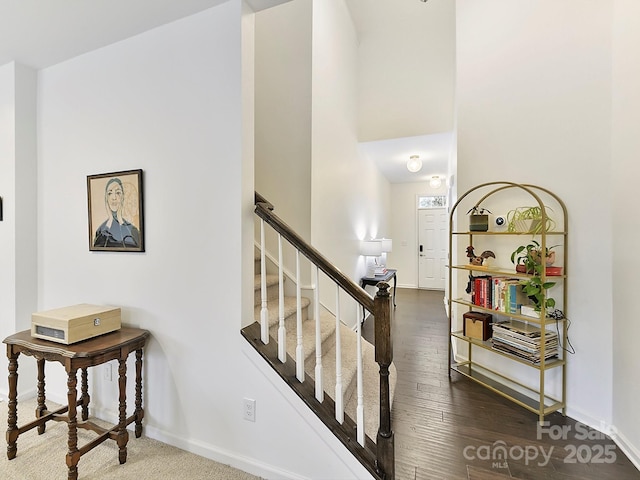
[75, 323]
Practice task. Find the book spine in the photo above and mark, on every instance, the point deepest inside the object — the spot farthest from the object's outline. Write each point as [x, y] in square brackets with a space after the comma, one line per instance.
[497, 292]
[487, 298]
[513, 298]
[506, 307]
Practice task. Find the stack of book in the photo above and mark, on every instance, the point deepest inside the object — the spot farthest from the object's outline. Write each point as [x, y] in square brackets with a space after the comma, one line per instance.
[503, 294]
[524, 341]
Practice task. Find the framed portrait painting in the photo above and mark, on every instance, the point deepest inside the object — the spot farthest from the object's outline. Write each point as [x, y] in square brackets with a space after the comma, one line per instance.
[115, 212]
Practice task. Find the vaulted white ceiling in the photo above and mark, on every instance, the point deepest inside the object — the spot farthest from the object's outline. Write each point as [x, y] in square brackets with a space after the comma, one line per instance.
[41, 33]
[406, 72]
[405, 61]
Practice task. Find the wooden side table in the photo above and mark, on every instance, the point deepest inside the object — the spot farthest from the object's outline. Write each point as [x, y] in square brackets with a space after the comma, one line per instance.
[385, 277]
[89, 353]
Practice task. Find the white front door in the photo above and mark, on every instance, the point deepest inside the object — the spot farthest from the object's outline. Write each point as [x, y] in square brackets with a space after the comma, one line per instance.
[432, 247]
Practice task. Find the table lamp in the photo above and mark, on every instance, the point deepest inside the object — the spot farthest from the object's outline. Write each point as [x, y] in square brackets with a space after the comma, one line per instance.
[371, 248]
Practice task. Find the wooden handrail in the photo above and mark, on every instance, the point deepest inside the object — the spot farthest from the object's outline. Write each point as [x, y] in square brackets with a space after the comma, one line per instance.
[260, 199]
[264, 210]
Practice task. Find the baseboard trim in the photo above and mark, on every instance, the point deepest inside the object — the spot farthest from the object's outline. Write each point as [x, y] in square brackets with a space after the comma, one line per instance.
[632, 453]
[219, 455]
[26, 395]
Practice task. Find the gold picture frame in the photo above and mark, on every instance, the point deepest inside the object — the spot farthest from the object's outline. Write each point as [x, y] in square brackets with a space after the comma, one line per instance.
[116, 221]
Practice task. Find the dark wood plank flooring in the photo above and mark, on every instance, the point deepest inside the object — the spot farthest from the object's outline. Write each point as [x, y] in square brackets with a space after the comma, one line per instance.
[453, 429]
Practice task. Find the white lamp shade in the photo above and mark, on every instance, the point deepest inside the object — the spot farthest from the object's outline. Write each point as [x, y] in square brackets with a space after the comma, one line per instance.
[435, 182]
[387, 245]
[371, 248]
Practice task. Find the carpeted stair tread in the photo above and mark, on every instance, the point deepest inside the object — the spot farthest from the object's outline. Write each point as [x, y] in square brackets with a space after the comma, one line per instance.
[271, 280]
[290, 310]
[349, 364]
[272, 288]
[327, 330]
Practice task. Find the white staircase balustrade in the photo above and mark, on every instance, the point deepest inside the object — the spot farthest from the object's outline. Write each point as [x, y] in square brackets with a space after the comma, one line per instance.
[282, 331]
[339, 400]
[354, 377]
[316, 318]
[360, 386]
[299, 337]
[264, 312]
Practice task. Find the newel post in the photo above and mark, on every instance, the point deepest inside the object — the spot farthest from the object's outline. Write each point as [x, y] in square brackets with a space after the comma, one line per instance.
[385, 454]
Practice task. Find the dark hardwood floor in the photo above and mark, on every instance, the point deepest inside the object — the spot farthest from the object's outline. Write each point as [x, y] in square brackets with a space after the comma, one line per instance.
[454, 429]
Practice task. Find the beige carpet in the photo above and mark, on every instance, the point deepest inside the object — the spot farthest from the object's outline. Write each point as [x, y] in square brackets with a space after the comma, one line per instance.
[42, 457]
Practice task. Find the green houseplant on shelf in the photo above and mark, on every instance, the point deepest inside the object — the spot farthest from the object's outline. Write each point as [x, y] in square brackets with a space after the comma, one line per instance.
[529, 219]
[527, 259]
[478, 219]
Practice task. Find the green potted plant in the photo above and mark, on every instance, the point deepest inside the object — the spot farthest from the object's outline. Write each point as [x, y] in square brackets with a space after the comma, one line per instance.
[478, 219]
[529, 219]
[527, 259]
[535, 289]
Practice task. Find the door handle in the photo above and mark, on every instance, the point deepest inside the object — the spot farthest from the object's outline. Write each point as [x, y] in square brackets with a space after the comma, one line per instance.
[420, 248]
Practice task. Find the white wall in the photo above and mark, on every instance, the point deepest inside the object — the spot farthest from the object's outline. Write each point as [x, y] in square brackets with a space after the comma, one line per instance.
[170, 101]
[626, 225]
[534, 105]
[404, 229]
[18, 261]
[8, 192]
[406, 80]
[283, 119]
[283, 111]
[350, 199]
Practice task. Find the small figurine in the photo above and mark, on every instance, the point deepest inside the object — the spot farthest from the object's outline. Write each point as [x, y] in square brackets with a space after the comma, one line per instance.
[477, 260]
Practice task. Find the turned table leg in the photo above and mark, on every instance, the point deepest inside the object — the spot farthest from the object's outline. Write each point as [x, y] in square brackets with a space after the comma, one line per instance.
[12, 420]
[73, 456]
[123, 435]
[84, 398]
[42, 407]
[139, 412]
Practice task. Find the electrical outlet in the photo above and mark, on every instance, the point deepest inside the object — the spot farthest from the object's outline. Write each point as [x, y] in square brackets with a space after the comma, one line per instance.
[108, 372]
[249, 409]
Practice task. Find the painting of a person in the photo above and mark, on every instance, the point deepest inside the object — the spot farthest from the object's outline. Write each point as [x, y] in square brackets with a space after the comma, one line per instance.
[116, 231]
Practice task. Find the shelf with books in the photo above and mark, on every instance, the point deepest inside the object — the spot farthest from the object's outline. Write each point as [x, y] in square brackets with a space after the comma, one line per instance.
[524, 332]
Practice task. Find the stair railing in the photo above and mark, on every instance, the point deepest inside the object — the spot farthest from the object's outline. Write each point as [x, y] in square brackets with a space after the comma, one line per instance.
[383, 465]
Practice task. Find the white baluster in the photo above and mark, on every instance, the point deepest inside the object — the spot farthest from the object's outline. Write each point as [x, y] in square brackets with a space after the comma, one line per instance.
[299, 344]
[316, 312]
[338, 394]
[360, 383]
[264, 312]
[282, 330]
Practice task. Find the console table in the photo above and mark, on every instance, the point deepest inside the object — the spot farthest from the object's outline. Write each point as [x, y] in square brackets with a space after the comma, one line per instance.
[89, 353]
[385, 277]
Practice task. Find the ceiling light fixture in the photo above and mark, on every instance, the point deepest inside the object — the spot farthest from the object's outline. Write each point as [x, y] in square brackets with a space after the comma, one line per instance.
[435, 182]
[414, 164]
